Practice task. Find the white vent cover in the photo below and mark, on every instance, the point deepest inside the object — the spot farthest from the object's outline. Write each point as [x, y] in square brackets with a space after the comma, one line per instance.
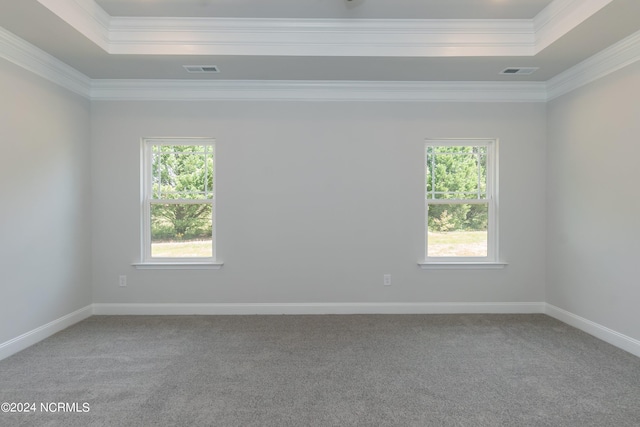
[519, 70]
[202, 68]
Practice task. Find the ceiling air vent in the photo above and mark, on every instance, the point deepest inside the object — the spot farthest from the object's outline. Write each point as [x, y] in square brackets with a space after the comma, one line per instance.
[202, 68]
[519, 70]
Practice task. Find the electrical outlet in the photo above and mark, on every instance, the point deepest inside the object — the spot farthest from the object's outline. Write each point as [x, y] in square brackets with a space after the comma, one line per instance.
[123, 280]
[386, 280]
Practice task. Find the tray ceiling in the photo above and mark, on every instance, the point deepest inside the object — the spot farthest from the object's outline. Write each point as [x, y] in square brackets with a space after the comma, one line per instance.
[324, 40]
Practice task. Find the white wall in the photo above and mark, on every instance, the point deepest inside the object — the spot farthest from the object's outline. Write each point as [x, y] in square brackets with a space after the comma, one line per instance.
[316, 201]
[594, 203]
[45, 216]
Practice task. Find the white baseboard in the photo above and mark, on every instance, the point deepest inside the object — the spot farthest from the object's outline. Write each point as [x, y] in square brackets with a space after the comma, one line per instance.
[608, 335]
[317, 308]
[605, 334]
[38, 334]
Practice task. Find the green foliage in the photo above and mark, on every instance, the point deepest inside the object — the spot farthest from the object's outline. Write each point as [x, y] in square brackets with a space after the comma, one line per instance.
[182, 172]
[457, 173]
[444, 221]
[180, 221]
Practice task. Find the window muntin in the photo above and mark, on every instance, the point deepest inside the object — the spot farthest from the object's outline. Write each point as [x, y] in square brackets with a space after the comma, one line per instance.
[178, 200]
[460, 201]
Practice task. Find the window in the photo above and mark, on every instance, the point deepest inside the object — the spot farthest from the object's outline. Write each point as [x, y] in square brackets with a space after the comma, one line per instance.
[460, 201]
[178, 201]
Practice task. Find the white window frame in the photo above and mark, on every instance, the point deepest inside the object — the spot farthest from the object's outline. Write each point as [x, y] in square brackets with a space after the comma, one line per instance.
[148, 261]
[492, 258]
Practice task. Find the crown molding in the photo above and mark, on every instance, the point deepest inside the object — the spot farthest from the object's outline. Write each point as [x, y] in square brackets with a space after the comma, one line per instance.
[560, 17]
[252, 90]
[613, 58]
[324, 37]
[321, 37]
[86, 16]
[39, 62]
[29, 57]
[24, 54]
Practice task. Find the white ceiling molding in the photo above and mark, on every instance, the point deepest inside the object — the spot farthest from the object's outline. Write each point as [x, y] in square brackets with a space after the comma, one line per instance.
[615, 57]
[324, 37]
[86, 16]
[242, 90]
[321, 37]
[29, 57]
[560, 17]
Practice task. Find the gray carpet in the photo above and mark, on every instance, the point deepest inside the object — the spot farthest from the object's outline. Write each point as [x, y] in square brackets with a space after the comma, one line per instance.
[358, 370]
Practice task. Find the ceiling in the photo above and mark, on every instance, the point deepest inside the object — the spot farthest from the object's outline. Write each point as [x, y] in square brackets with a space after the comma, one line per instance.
[321, 40]
[355, 9]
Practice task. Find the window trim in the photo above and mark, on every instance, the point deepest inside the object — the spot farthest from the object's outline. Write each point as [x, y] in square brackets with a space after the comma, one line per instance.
[492, 260]
[146, 197]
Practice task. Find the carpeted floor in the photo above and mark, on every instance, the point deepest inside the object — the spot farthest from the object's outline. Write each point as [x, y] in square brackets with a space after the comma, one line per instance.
[358, 370]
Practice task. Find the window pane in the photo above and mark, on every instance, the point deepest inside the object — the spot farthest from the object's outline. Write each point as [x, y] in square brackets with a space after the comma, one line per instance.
[181, 230]
[457, 230]
[456, 172]
[458, 195]
[182, 172]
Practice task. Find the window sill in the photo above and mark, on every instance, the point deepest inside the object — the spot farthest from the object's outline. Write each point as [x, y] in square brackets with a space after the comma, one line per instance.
[178, 265]
[428, 265]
